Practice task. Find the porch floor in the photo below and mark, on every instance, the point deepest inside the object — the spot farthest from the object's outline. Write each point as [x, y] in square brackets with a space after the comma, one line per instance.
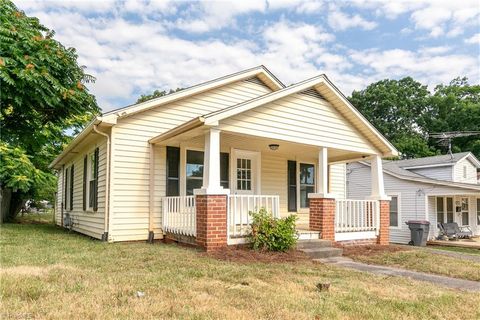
[473, 243]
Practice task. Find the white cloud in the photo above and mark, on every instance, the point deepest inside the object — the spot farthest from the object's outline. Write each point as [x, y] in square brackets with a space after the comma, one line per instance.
[342, 21]
[437, 17]
[215, 15]
[130, 57]
[475, 39]
[428, 65]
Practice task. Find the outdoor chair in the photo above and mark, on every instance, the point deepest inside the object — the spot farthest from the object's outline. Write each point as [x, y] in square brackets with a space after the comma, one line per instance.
[453, 231]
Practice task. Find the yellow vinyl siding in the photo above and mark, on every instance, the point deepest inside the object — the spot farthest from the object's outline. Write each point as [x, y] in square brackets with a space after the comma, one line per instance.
[86, 222]
[131, 157]
[338, 180]
[303, 119]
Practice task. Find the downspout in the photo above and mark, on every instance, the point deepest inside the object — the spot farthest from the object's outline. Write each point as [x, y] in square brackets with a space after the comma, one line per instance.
[151, 189]
[107, 185]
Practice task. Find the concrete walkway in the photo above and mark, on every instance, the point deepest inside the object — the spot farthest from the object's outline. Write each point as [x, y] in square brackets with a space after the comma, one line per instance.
[448, 282]
[459, 255]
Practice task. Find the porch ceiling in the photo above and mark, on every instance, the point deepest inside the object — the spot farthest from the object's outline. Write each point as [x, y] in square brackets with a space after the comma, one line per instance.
[195, 139]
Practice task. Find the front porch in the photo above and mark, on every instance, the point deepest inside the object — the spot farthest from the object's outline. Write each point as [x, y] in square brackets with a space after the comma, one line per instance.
[250, 172]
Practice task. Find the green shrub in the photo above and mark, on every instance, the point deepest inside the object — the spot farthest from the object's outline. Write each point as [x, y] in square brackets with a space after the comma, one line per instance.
[273, 234]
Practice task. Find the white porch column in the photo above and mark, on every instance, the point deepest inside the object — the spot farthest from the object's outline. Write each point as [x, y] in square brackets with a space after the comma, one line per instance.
[211, 164]
[322, 176]
[378, 187]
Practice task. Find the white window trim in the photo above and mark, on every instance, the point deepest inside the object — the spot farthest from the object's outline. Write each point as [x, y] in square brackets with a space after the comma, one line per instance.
[66, 193]
[183, 167]
[89, 208]
[399, 210]
[315, 183]
[445, 207]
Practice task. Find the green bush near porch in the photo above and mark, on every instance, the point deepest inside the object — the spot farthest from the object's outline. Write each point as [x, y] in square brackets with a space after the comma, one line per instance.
[272, 234]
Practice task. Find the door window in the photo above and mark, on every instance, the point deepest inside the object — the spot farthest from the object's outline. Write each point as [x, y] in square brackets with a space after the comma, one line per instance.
[244, 174]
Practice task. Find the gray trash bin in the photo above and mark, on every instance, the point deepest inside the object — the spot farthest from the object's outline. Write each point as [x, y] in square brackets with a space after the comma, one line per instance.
[418, 232]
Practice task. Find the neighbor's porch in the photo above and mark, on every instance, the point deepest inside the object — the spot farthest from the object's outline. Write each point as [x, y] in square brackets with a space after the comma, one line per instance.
[463, 209]
[251, 172]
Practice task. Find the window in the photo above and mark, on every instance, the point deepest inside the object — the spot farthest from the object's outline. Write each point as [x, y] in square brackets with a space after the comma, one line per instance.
[244, 174]
[307, 183]
[91, 167]
[478, 212]
[449, 210]
[194, 171]
[292, 186]
[465, 211]
[224, 176]
[66, 193]
[173, 171]
[394, 211]
[464, 172]
[440, 210]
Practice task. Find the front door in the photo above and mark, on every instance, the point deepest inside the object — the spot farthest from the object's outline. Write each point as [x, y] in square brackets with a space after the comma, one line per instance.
[245, 172]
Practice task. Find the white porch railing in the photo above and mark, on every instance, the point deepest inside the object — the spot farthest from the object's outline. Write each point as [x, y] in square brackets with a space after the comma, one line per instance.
[357, 216]
[179, 215]
[239, 207]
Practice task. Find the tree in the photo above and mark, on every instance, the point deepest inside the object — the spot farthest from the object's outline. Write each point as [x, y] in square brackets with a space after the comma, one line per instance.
[396, 108]
[43, 94]
[156, 94]
[456, 107]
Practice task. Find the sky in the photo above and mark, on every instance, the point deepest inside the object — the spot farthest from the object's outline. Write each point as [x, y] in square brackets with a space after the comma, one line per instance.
[133, 47]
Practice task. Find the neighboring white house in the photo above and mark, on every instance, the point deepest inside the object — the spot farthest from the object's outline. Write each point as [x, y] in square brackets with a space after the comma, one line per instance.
[440, 188]
[132, 172]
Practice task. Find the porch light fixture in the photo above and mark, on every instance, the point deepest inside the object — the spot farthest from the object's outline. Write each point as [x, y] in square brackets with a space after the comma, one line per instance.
[273, 146]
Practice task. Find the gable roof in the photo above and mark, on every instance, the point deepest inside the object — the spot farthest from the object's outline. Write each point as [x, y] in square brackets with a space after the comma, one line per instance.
[391, 168]
[261, 72]
[110, 118]
[324, 87]
[437, 161]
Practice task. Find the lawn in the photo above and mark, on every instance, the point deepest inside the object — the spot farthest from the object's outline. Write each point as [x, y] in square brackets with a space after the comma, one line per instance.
[457, 249]
[50, 273]
[420, 260]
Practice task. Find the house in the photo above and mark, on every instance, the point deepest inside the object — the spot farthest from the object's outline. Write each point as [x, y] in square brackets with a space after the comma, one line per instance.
[193, 163]
[438, 189]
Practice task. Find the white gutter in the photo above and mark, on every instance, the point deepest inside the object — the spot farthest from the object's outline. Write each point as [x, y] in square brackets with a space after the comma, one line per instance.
[107, 184]
[82, 135]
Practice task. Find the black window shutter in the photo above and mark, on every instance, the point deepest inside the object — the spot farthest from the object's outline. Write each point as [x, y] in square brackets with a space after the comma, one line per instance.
[72, 172]
[173, 171]
[224, 169]
[65, 192]
[292, 186]
[85, 165]
[95, 175]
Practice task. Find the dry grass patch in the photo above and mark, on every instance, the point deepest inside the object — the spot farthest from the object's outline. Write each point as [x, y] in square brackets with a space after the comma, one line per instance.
[87, 279]
[416, 259]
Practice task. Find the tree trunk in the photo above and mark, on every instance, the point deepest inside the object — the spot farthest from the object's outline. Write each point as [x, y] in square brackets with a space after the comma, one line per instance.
[5, 198]
[11, 204]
